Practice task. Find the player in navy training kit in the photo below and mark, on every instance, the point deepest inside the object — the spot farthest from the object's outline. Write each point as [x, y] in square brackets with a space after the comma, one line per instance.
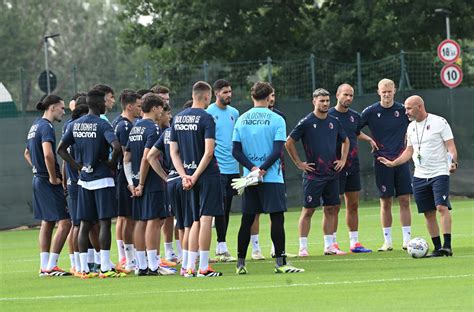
[192, 145]
[49, 203]
[319, 133]
[349, 177]
[131, 109]
[92, 138]
[147, 186]
[388, 124]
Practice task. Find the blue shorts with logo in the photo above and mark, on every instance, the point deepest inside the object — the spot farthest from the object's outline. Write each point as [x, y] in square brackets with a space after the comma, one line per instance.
[49, 202]
[319, 192]
[93, 205]
[264, 198]
[226, 181]
[152, 206]
[73, 190]
[393, 181]
[349, 182]
[124, 199]
[206, 197]
[179, 203]
[431, 192]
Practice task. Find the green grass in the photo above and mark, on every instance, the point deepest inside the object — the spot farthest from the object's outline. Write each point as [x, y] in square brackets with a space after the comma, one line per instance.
[376, 281]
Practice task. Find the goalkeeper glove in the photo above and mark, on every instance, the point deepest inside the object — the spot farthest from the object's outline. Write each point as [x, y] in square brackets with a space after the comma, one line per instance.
[253, 178]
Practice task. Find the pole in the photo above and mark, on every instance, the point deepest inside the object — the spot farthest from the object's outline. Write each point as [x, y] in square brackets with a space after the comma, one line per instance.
[269, 69]
[22, 96]
[401, 84]
[46, 63]
[448, 29]
[147, 75]
[360, 91]
[205, 66]
[74, 78]
[313, 73]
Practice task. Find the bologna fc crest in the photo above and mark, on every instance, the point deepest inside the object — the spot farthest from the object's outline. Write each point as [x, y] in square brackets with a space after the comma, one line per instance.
[331, 126]
[309, 198]
[397, 114]
[351, 118]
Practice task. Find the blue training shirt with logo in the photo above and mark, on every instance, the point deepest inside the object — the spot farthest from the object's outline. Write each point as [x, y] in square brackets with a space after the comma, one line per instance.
[350, 123]
[257, 130]
[225, 120]
[41, 131]
[388, 127]
[144, 134]
[92, 137]
[319, 138]
[190, 129]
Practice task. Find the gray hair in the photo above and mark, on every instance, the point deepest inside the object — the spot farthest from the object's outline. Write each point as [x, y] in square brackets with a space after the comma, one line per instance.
[320, 92]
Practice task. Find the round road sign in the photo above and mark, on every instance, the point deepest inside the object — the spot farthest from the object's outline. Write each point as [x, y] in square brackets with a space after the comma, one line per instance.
[449, 51]
[451, 75]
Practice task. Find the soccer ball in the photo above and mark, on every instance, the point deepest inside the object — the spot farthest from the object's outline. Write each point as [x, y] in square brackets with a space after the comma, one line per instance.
[417, 247]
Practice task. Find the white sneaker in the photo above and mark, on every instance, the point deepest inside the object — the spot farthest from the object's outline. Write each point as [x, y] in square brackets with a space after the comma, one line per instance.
[225, 257]
[386, 247]
[166, 271]
[257, 255]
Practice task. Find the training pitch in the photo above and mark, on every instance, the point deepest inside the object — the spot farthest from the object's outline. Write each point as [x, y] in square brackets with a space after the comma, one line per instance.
[371, 282]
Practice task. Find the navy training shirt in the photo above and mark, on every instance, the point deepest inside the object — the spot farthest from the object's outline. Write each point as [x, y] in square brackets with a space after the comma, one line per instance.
[163, 144]
[144, 134]
[319, 137]
[122, 127]
[388, 127]
[350, 123]
[41, 131]
[190, 129]
[71, 174]
[92, 137]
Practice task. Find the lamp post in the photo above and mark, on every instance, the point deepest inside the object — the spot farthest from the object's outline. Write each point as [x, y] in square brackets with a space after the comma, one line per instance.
[46, 59]
[445, 13]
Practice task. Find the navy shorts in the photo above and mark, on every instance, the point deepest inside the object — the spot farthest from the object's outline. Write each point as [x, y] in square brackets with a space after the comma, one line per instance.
[152, 206]
[226, 181]
[318, 192]
[393, 181]
[72, 190]
[430, 193]
[206, 198]
[264, 198]
[124, 199]
[349, 182]
[179, 200]
[49, 203]
[93, 205]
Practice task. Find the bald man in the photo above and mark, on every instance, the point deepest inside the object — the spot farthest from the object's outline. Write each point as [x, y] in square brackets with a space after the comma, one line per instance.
[388, 124]
[430, 143]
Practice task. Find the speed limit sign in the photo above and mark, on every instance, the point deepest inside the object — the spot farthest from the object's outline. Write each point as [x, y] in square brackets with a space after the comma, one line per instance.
[451, 75]
[449, 51]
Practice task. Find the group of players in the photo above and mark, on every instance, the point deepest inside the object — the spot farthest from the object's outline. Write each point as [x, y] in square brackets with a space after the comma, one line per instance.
[177, 177]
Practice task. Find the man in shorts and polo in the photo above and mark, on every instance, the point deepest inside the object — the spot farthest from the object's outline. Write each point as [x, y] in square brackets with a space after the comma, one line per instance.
[225, 117]
[430, 143]
[192, 143]
[49, 203]
[388, 123]
[319, 133]
[147, 187]
[92, 138]
[349, 177]
[258, 140]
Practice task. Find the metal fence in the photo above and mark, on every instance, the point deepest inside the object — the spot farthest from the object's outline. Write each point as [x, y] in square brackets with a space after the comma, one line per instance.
[293, 79]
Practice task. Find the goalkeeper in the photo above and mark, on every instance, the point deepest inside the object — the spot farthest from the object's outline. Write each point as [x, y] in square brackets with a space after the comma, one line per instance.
[258, 139]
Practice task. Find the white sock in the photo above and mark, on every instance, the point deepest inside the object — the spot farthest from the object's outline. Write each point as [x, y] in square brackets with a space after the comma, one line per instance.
[105, 261]
[120, 249]
[327, 241]
[77, 259]
[272, 249]
[44, 258]
[152, 259]
[334, 238]
[192, 256]
[72, 260]
[203, 260]
[222, 247]
[53, 260]
[168, 250]
[141, 257]
[90, 255]
[255, 244]
[406, 230]
[303, 243]
[97, 258]
[84, 262]
[184, 264]
[179, 249]
[387, 234]
[129, 254]
[353, 237]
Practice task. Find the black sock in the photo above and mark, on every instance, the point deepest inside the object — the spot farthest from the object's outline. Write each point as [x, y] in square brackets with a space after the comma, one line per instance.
[220, 228]
[447, 241]
[436, 242]
[278, 236]
[244, 235]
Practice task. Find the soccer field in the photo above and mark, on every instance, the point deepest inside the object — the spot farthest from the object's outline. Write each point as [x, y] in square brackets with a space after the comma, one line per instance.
[375, 281]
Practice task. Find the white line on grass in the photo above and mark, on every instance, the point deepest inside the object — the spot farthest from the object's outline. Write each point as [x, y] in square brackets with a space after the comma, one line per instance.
[198, 290]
